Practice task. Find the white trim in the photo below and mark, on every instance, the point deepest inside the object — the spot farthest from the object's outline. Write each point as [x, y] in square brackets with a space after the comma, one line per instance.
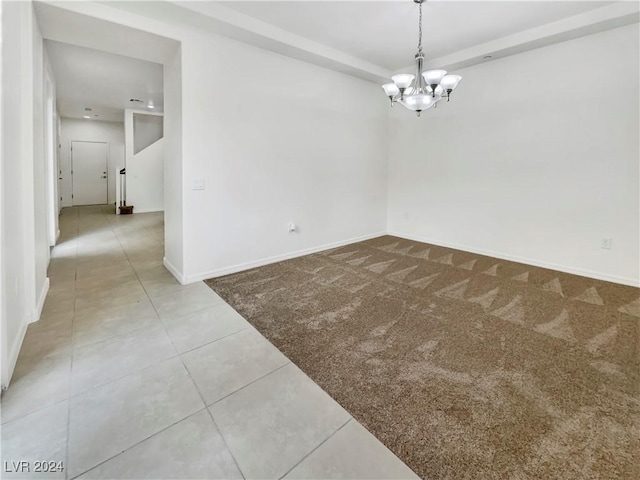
[187, 279]
[145, 112]
[529, 261]
[57, 236]
[14, 352]
[148, 210]
[587, 23]
[277, 258]
[41, 298]
[174, 271]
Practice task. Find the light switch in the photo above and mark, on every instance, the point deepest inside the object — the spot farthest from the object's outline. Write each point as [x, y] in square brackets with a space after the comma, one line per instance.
[199, 184]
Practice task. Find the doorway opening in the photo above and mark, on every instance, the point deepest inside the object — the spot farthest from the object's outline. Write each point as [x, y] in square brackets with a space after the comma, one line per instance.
[41, 185]
[96, 92]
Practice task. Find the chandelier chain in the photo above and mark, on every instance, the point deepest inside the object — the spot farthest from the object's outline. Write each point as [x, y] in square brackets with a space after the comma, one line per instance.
[420, 29]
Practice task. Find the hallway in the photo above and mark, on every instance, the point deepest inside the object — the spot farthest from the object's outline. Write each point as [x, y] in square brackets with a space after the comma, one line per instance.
[129, 374]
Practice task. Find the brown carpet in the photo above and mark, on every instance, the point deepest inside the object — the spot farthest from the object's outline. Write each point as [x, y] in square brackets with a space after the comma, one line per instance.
[465, 366]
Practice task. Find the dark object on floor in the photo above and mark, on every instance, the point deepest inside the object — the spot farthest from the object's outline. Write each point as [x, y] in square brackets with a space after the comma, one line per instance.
[126, 209]
[465, 366]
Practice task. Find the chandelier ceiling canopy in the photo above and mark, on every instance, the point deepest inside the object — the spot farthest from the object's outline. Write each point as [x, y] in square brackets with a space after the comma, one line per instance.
[424, 89]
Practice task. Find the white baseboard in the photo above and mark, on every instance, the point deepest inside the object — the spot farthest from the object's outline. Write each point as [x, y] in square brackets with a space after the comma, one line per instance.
[192, 278]
[14, 352]
[148, 210]
[277, 258]
[41, 298]
[529, 261]
[174, 271]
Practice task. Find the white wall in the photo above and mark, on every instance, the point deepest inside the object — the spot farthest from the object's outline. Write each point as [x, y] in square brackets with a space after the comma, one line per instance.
[15, 314]
[25, 249]
[147, 129]
[72, 129]
[51, 142]
[40, 184]
[173, 178]
[311, 150]
[536, 158]
[145, 169]
[4, 347]
[313, 153]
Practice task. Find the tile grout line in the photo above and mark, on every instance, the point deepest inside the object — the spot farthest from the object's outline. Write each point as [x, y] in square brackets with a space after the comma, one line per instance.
[36, 410]
[73, 318]
[289, 362]
[224, 440]
[96, 342]
[206, 407]
[110, 226]
[164, 327]
[39, 409]
[195, 386]
[214, 341]
[177, 293]
[323, 286]
[73, 395]
[318, 446]
[138, 443]
[70, 396]
[120, 378]
[106, 339]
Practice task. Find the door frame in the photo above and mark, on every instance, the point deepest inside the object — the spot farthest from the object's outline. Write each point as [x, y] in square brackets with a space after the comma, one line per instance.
[106, 167]
[51, 159]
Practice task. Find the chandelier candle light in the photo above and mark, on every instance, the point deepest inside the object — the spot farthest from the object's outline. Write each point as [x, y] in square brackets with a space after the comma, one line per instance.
[424, 89]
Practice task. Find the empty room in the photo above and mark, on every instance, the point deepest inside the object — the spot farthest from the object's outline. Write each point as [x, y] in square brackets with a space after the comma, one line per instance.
[320, 239]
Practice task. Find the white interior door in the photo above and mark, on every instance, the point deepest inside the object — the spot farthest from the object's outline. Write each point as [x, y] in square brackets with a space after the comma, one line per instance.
[89, 173]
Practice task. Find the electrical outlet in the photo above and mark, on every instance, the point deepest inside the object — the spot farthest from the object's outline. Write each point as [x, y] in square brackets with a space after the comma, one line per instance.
[199, 184]
[606, 243]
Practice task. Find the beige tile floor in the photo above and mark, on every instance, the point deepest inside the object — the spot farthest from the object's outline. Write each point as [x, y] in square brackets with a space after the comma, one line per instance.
[130, 375]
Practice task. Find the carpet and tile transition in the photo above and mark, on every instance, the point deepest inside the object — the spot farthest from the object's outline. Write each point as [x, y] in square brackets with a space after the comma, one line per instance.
[465, 366]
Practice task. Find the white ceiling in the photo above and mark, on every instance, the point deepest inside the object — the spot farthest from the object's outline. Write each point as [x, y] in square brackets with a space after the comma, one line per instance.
[104, 82]
[385, 33]
[366, 39]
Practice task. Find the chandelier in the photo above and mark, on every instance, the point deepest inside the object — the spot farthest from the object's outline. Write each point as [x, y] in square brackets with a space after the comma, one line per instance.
[424, 89]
